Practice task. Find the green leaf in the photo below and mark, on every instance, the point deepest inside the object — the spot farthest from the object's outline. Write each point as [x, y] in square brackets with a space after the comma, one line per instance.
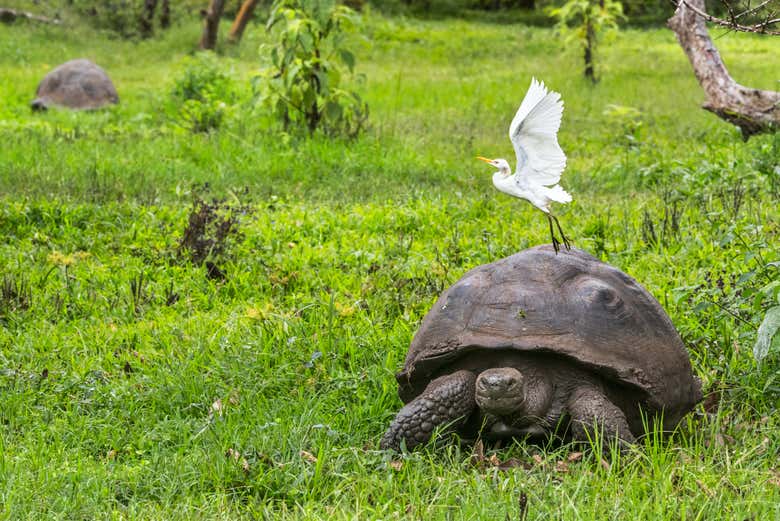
[307, 42]
[745, 276]
[334, 77]
[309, 97]
[292, 72]
[766, 332]
[348, 58]
[293, 28]
[333, 111]
[771, 289]
[281, 108]
[296, 96]
[322, 81]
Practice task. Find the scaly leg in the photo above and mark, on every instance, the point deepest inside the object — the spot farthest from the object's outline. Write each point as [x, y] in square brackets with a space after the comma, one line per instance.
[446, 402]
[555, 242]
[590, 409]
[563, 235]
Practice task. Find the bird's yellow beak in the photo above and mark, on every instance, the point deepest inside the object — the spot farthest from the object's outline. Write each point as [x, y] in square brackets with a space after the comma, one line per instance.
[486, 160]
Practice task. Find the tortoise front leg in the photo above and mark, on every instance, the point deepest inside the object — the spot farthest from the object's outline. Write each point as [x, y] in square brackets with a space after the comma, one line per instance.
[446, 402]
[590, 409]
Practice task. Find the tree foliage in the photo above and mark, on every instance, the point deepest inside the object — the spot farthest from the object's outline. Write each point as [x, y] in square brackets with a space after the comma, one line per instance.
[303, 84]
[585, 22]
[129, 18]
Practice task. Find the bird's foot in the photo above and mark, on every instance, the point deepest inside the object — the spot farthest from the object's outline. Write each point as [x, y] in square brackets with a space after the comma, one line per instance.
[556, 244]
[563, 235]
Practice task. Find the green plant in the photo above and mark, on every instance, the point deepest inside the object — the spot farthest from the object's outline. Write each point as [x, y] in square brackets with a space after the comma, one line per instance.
[15, 294]
[203, 95]
[584, 22]
[767, 335]
[304, 81]
[212, 227]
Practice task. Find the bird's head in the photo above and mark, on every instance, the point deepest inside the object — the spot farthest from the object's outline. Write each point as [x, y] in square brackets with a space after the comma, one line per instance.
[501, 164]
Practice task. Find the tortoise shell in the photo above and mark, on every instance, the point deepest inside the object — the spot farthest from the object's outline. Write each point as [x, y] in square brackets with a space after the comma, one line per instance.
[569, 307]
[77, 84]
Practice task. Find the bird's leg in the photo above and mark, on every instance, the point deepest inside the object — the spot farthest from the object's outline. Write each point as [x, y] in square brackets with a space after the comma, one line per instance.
[555, 242]
[563, 235]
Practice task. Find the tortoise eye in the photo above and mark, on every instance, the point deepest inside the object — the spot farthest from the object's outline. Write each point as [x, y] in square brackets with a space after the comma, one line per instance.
[608, 298]
[601, 296]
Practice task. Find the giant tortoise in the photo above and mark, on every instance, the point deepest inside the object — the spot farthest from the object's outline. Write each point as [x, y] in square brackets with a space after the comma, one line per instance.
[76, 84]
[537, 344]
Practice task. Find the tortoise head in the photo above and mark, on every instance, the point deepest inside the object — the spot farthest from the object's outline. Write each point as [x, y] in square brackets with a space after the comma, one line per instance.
[501, 391]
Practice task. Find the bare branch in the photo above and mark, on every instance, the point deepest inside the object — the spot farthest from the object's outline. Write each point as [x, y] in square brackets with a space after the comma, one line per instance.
[728, 7]
[753, 9]
[759, 28]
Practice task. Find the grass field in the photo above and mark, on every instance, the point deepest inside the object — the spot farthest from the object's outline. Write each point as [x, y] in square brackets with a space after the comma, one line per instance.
[135, 386]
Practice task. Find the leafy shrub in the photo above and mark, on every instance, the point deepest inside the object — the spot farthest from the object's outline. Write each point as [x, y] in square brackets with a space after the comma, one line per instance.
[303, 83]
[204, 95]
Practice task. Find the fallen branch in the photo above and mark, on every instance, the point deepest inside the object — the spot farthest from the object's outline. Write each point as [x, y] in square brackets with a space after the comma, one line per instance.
[8, 16]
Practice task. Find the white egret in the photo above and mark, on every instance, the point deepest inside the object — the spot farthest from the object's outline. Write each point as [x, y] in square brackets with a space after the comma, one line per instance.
[540, 160]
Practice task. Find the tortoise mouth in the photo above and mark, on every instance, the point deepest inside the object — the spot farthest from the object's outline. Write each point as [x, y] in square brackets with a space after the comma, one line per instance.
[500, 391]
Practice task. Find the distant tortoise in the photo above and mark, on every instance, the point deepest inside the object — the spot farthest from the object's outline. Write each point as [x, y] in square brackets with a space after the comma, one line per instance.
[77, 84]
[539, 343]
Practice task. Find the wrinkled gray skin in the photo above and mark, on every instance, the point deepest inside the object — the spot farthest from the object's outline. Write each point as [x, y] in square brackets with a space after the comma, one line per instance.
[77, 84]
[537, 344]
[517, 398]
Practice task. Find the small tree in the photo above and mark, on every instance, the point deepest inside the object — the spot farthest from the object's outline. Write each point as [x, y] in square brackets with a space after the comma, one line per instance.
[303, 82]
[585, 22]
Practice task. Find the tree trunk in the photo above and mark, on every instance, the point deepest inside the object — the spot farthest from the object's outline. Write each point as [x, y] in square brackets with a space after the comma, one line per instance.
[146, 23]
[242, 18]
[211, 25]
[165, 14]
[590, 43]
[753, 111]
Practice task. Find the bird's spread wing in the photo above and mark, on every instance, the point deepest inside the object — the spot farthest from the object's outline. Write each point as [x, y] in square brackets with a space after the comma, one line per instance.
[534, 135]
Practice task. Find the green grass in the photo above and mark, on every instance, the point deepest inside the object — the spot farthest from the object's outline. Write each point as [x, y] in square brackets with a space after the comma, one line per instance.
[194, 398]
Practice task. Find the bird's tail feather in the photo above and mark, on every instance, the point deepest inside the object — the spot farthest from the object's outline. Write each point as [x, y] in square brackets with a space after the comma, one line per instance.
[558, 194]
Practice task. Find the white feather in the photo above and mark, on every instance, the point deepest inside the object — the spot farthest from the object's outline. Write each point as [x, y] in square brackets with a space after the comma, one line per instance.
[534, 136]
